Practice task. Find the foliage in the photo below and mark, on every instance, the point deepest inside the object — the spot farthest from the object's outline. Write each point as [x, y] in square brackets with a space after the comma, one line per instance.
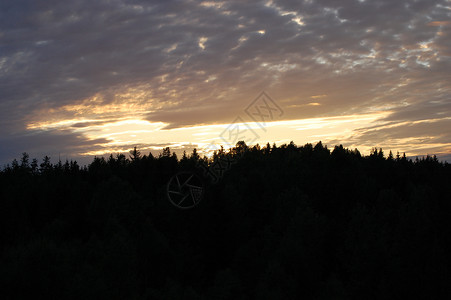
[283, 222]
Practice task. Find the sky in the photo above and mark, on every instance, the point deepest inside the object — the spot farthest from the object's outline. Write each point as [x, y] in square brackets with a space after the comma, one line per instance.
[82, 78]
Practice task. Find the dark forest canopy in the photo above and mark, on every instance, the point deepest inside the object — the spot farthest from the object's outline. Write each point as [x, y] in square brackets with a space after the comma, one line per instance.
[282, 222]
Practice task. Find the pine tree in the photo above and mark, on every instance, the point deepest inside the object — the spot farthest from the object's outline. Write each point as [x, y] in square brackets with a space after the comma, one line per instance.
[34, 166]
[24, 162]
[390, 155]
[195, 155]
[46, 165]
[135, 154]
[166, 152]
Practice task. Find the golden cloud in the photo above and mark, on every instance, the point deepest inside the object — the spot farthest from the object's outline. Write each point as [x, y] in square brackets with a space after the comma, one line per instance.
[439, 23]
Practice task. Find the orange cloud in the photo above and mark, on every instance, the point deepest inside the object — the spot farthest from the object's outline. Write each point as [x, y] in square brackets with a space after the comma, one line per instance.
[318, 96]
[439, 23]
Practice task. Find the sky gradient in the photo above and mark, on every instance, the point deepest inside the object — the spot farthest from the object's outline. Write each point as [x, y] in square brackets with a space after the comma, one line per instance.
[82, 78]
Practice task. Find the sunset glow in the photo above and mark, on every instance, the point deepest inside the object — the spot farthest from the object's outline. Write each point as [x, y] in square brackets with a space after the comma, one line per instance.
[363, 74]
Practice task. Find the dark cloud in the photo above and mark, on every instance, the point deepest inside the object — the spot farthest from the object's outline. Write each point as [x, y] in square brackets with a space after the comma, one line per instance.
[194, 62]
[55, 144]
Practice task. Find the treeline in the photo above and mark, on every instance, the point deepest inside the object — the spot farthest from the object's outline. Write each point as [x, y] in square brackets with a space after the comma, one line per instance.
[284, 222]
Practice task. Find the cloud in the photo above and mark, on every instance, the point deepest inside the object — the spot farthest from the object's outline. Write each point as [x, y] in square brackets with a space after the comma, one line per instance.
[439, 23]
[63, 144]
[186, 63]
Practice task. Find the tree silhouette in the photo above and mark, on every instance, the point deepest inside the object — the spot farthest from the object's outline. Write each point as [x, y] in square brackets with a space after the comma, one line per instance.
[287, 222]
[135, 154]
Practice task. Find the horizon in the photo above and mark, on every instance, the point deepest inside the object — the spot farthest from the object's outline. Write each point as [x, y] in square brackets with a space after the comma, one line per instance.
[86, 160]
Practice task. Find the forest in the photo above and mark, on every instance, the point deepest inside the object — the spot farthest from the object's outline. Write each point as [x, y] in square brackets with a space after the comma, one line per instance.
[277, 222]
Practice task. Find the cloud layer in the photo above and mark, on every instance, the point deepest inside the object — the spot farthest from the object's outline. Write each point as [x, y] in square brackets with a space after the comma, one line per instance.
[66, 67]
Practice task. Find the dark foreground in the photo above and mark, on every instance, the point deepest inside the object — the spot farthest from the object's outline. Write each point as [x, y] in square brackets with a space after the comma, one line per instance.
[280, 223]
